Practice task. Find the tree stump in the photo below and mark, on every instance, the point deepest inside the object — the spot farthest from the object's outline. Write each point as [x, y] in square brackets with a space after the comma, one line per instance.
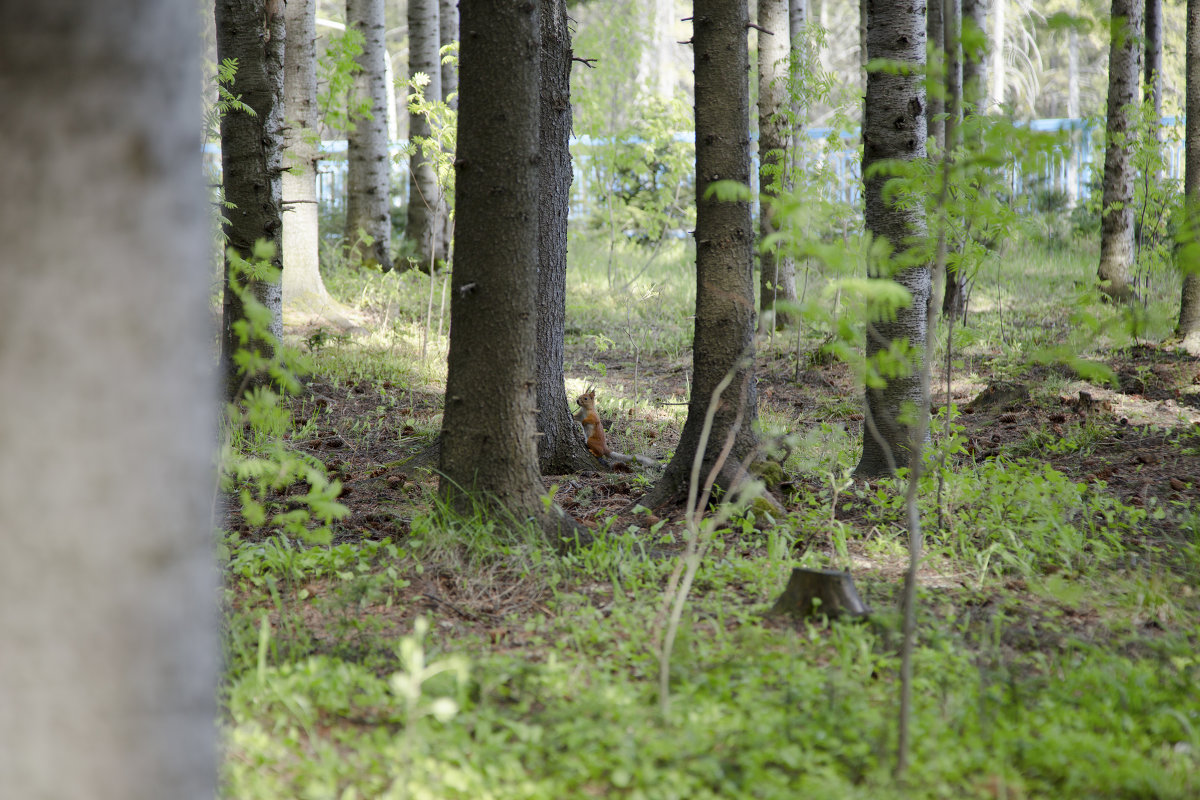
[819, 591]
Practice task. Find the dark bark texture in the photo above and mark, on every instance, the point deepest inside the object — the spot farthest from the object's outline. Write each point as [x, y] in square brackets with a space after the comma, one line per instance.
[252, 31]
[425, 204]
[1116, 216]
[369, 165]
[894, 129]
[1189, 307]
[489, 428]
[1152, 84]
[724, 334]
[778, 272]
[561, 448]
[954, 298]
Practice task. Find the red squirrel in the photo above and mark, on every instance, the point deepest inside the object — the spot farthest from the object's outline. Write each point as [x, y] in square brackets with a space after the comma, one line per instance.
[594, 431]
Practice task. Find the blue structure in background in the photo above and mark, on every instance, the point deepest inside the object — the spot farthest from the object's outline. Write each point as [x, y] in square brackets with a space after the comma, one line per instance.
[1066, 170]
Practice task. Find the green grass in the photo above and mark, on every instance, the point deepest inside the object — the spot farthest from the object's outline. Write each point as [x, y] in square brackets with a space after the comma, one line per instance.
[1056, 654]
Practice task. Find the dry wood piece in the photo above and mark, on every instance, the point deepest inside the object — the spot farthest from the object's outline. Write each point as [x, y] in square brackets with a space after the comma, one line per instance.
[819, 591]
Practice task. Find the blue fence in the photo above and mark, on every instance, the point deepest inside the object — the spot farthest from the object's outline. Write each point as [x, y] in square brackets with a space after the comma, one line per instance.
[1066, 169]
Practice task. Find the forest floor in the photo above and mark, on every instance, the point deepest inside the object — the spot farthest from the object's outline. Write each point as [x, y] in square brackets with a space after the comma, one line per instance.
[1059, 598]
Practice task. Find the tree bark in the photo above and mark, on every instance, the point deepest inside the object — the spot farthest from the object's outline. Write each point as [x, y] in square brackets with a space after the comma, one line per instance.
[954, 297]
[777, 279]
[448, 21]
[999, 74]
[561, 448]
[424, 196]
[253, 32]
[1116, 218]
[894, 128]
[936, 38]
[304, 293]
[1154, 56]
[974, 64]
[1189, 307]
[369, 165]
[724, 335]
[489, 429]
[107, 588]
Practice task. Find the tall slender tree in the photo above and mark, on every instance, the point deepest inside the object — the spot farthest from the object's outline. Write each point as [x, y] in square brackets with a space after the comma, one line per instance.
[489, 428]
[1116, 216]
[560, 443]
[723, 343]
[425, 204]
[936, 105]
[777, 278]
[954, 297]
[107, 612]
[974, 65]
[304, 292]
[1152, 83]
[253, 33]
[1189, 307]
[448, 21]
[369, 165]
[894, 128]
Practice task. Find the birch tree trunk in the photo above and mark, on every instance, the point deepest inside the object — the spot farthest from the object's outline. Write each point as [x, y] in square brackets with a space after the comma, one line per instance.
[424, 198]
[1116, 216]
[894, 128]
[448, 22]
[108, 591]
[777, 278]
[1189, 307]
[304, 293]
[724, 336]
[999, 70]
[560, 445]
[253, 32]
[489, 429]
[369, 165]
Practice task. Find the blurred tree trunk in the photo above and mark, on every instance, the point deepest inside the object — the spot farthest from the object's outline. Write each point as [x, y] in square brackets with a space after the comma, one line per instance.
[724, 336]
[253, 32]
[1116, 217]
[489, 429]
[448, 21]
[999, 68]
[894, 128]
[974, 59]
[424, 226]
[560, 445]
[108, 592]
[1153, 82]
[1189, 252]
[369, 165]
[777, 280]
[304, 293]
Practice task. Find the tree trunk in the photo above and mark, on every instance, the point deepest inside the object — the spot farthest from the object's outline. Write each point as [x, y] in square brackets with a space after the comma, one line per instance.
[778, 272]
[424, 196]
[954, 297]
[108, 591]
[448, 21]
[1116, 220]
[724, 335]
[253, 32]
[936, 39]
[304, 293]
[1189, 307]
[999, 65]
[489, 429]
[369, 165]
[974, 63]
[561, 448]
[1154, 56]
[894, 128]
